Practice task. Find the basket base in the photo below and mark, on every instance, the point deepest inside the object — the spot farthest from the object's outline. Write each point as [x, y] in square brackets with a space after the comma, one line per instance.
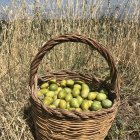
[57, 124]
[51, 128]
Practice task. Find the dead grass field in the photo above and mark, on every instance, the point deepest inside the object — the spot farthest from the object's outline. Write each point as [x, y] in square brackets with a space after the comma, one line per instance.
[20, 39]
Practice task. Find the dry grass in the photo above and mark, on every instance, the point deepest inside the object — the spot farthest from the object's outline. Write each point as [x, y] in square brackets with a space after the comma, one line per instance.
[20, 40]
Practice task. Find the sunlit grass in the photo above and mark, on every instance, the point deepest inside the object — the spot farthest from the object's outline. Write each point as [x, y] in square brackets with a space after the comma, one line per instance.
[22, 35]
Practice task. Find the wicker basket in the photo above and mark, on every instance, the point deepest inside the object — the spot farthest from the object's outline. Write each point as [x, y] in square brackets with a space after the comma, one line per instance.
[57, 124]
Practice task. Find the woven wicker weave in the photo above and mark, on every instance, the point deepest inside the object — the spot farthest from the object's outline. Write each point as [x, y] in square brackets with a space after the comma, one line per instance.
[57, 124]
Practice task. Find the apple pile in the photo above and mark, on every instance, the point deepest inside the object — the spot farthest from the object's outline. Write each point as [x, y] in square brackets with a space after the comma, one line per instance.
[72, 95]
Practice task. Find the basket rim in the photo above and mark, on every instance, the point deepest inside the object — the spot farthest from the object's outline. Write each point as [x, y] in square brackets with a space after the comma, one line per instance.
[72, 113]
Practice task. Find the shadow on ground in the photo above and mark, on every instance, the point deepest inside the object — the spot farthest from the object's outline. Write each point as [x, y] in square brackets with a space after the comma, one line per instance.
[28, 119]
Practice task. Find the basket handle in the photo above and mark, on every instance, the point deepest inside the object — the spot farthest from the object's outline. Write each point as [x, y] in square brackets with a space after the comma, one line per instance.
[74, 38]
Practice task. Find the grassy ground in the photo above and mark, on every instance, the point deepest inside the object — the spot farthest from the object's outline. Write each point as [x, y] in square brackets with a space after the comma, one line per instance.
[20, 40]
